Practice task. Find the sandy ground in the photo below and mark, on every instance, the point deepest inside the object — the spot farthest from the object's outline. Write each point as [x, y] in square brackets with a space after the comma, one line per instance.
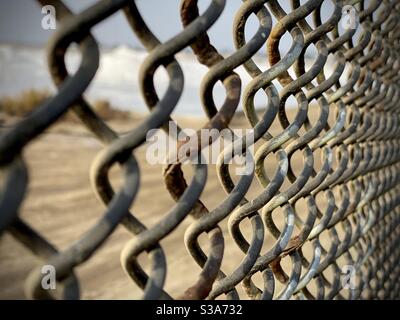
[62, 205]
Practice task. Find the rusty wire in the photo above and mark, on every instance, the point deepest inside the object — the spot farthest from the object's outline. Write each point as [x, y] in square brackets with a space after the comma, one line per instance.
[359, 176]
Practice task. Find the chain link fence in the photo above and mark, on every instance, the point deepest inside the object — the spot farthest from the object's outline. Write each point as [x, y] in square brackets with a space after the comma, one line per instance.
[356, 136]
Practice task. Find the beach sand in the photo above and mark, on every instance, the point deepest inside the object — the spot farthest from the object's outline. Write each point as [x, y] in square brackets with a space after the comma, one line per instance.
[62, 205]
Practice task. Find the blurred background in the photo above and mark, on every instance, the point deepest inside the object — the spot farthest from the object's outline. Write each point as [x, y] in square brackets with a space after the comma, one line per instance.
[61, 203]
[23, 57]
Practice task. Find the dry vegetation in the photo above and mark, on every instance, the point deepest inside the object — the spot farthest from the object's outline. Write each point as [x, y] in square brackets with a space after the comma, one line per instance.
[27, 101]
[24, 103]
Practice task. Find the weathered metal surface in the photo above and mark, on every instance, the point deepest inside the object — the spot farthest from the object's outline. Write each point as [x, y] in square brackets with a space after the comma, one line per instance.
[359, 176]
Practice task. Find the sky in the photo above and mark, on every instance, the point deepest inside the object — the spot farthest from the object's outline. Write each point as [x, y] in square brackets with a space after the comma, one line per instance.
[20, 22]
[18, 16]
[24, 68]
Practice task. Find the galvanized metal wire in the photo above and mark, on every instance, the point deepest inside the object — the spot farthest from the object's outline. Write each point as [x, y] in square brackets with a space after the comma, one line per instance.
[359, 177]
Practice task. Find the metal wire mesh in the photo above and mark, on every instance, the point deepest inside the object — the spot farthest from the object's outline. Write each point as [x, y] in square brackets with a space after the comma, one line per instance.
[359, 149]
